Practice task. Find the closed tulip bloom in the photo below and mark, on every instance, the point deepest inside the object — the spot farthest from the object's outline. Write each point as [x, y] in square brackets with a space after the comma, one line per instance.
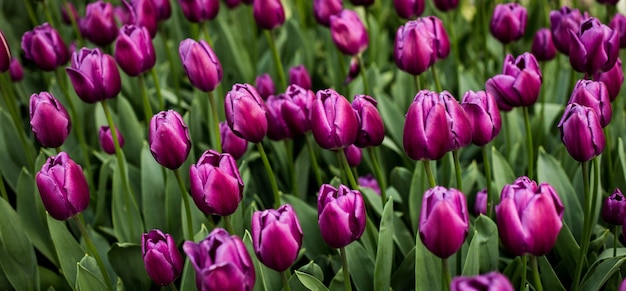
[362, 2]
[245, 113]
[614, 208]
[543, 47]
[199, 10]
[529, 217]
[49, 120]
[353, 70]
[106, 139]
[265, 86]
[608, 2]
[368, 181]
[594, 47]
[444, 221]
[348, 32]
[353, 155]
[295, 110]
[5, 53]
[508, 22]
[333, 121]
[231, 143]
[492, 281]
[268, 14]
[446, 5]
[324, 9]
[16, 72]
[409, 9]
[161, 258]
[277, 128]
[613, 79]
[232, 3]
[419, 44]
[480, 205]
[595, 95]
[62, 187]
[341, 215]
[94, 75]
[519, 83]
[216, 186]
[134, 51]
[201, 64]
[298, 75]
[562, 22]
[458, 121]
[581, 132]
[221, 262]
[276, 237]
[169, 140]
[162, 9]
[484, 116]
[143, 14]
[68, 10]
[371, 129]
[44, 46]
[123, 14]
[98, 25]
[618, 23]
[426, 129]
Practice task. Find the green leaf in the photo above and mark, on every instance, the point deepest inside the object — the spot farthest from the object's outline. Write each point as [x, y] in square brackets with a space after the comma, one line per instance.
[402, 236]
[600, 272]
[310, 282]
[128, 263]
[312, 242]
[384, 254]
[360, 266]
[12, 156]
[416, 193]
[393, 118]
[127, 221]
[549, 279]
[372, 199]
[266, 278]
[487, 232]
[427, 268]
[70, 252]
[566, 247]
[502, 173]
[404, 276]
[472, 260]
[88, 276]
[152, 191]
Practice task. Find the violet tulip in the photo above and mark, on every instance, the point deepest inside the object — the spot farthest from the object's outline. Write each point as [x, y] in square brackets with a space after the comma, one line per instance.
[245, 113]
[368, 181]
[201, 64]
[298, 75]
[134, 51]
[333, 121]
[199, 10]
[67, 11]
[595, 95]
[62, 187]
[543, 47]
[444, 221]
[276, 237]
[221, 262]
[216, 186]
[143, 14]
[353, 70]
[268, 14]
[562, 22]
[480, 204]
[99, 25]
[581, 132]
[529, 217]
[492, 281]
[353, 155]
[16, 72]
[277, 128]
[94, 75]
[161, 258]
[484, 116]
[49, 120]
[371, 130]
[162, 9]
[169, 140]
[446, 5]
[44, 46]
[324, 9]
[123, 14]
[265, 86]
[5, 54]
[594, 47]
[613, 79]
[419, 44]
[232, 3]
[409, 9]
[608, 2]
[519, 83]
[231, 143]
[614, 208]
[426, 129]
[618, 23]
[362, 2]
[348, 32]
[458, 121]
[295, 110]
[508, 22]
[106, 139]
[341, 215]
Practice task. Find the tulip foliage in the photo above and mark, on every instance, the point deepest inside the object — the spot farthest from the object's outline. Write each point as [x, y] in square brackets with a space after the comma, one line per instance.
[312, 145]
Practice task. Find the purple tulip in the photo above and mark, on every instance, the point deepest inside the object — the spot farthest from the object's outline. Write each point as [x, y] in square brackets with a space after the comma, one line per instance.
[614, 208]
[618, 23]
[221, 262]
[368, 181]
[62, 186]
[608, 2]
[446, 5]
[201, 64]
[277, 128]
[492, 281]
[594, 47]
[143, 14]
[480, 205]
[245, 113]
[508, 22]
[324, 9]
[419, 44]
[99, 25]
[265, 85]
[348, 32]
[161, 258]
[595, 95]
[333, 121]
[529, 217]
[16, 72]
[68, 11]
[268, 14]
[169, 140]
[444, 221]
[353, 70]
[232, 3]
[562, 22]
[341, 215]
[231, 143]
[426, 129]
[543, 47]
[371, 130]
[362, 2]
[49, 120]
[106, 139]
[162, 9]
[276, 237]
[484, 116]
[298, 75]
[519, 83]
[199, 10]
[123, 14]
[216, 186]
[613, 79]
[44, 46]
[581, 132]
[134, 51]
[622, 286]
[409, 9]
[295, 110]
[5, 54]
[458, 121]
[94, 75]
[353, 155]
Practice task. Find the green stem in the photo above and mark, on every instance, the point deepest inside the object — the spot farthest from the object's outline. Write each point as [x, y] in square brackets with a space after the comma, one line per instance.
[429, 173]
[433, 69]
[288, 143]
[524, 267]
[285, 277]
[229, 224]
[586, 222]
[147, 108]
[183, 193]
[344, 265]
[343, 164]
[173, 287]
[74, 23]
[31, 13]
[535, 269]
[157, 86]
[343, 71]
[379, 174]
[445, 275]
[487, 166]
[366, 85]
[615, 234]
[205, 29]
[270, 174]
[48, 15]
[609, 157]
[58, 150]
[418, 86]
[216, 123]
[92, 248]
[275, 55]
[529, 139]
[173, 67]
[457, 168]
[505, 129]
[3, 189]
[316, 168]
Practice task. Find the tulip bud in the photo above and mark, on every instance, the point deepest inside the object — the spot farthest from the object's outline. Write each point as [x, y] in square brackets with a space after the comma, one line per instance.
[519, 83]
[49, 120]
[594, 47]
[614, 208]
[618, 23]
[581, 132]
[134, 51]
[201, 64]
[232, 3]
[298, 75]
[446, 5]
[608, 2]
[162, 9]
[44, 46]
[353, 155]
[484, 116]
[221, 262]
[333, 121]
[161, 258]
[277, 128]
[231, 143]
[295, 110]
[99, 25]
[143, 14]
[426, 129]
[324, 9]
[341, 215]
[265, 86]
[508, 22]
[216, 186]
[199, 10]
[68, 11]
[106, 139]
[276, 237]
[94, 75]
[419, 44]
[348, 32]
[491, 281]
[595, 95]
[368, 181]
[62, 186]
[529, 217]
[123, 14]
[444, 222]
[268, 14]
[15, 70]
[562, 22]
[5, 54]
[371, 130]
[245, 113]
[543, 48]
[362, 2]
[353, 70]
[169, 140]
[409, 8]
[480, 205]
[613, 79]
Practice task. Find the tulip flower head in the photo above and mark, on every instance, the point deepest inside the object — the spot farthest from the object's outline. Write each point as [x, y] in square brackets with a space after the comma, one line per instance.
[265, 86]
[245, 113]
[143, 13]
[5, 53]
[333, 121]
[595, 95]
[341, 215]
[134, 51]
[446, 5]
[444, 221]
[613, 79]
[324, 9]
[419, 44]
[508, 22]
[562, 22]
[519, 83]
[68, 9]
[162, 9]
[608, 2]
[269, 14]
[169, 139]
[409, 9]
[49, 120]
[353, 155]
[484, 116]
[232, 3]
[94, 75]
[581, 132]
[231, 143]
[201, 64]
[199, 10]
[298, 75]
[543, 47]
[371, 130]
[295, 110]
[480, 205]
[216, 186]
[161, 258]
[106, 139]
[276, 237]
[368, 181]
[348, 32]
[353, 70]
[44, 46]
[491, 281]
[618, 23]
[16, 72]
[98, 25]
[594, 47]
[362, 2]
[277, 128]
[614, 208]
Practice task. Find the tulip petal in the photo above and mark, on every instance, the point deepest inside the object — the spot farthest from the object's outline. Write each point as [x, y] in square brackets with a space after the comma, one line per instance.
[444, 231]
[542, 223]
[335, 232]
[278, 249]
[159, 268]
[513, 234]
[82, 85]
